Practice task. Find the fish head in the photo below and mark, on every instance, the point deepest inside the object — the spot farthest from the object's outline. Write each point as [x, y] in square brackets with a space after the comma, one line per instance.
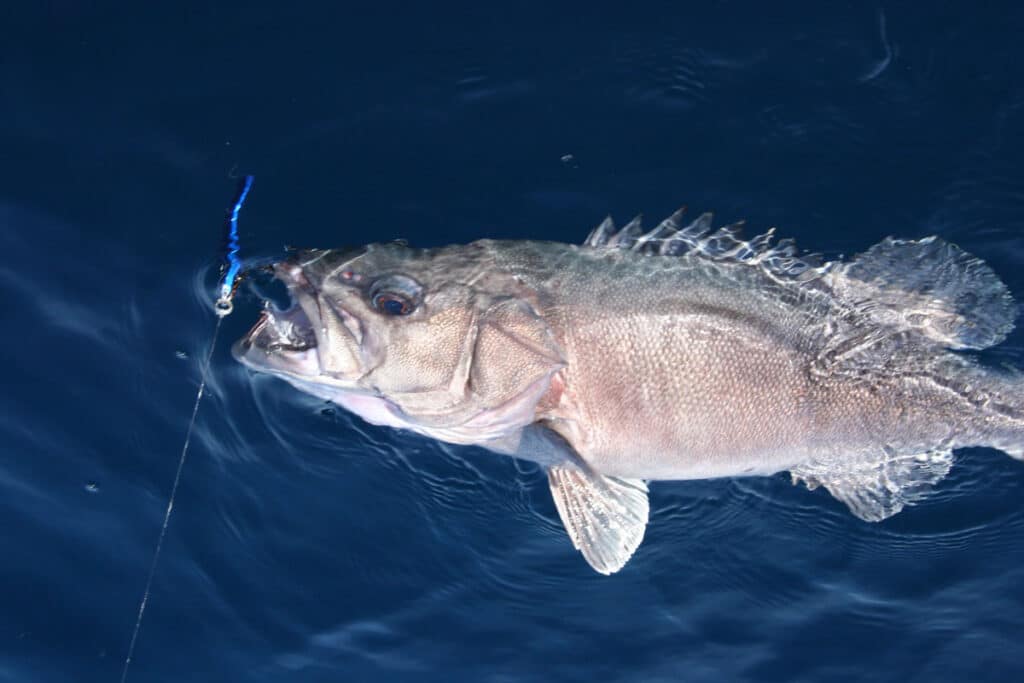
[438, 340]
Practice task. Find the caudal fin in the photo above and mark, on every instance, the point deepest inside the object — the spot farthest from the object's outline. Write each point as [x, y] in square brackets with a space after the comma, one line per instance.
[999, 400]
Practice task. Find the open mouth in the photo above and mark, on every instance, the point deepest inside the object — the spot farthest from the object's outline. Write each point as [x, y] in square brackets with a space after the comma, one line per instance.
[283, 326]
[282, 331]
[301, 332]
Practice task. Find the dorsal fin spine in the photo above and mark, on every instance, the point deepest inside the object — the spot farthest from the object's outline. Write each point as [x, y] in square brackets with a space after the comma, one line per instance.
[725, 244]
[627, 237]
[600, 235]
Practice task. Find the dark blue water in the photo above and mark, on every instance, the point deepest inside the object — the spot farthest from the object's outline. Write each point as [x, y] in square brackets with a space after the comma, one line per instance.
[307, 546]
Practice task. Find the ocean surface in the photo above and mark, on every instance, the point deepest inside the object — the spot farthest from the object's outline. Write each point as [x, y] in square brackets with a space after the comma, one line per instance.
[307, 546]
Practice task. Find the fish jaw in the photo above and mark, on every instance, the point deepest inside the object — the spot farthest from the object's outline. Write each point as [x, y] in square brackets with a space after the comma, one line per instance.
[280, 343]
[314, 338]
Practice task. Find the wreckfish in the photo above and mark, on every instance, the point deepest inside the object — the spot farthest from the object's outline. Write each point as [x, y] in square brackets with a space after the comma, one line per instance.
[679, 352]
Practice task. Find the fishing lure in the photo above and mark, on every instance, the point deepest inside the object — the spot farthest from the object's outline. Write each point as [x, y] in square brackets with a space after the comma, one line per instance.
[230, 280]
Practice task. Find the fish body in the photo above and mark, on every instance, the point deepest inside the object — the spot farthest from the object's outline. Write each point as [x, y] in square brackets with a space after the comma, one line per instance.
[674, 353]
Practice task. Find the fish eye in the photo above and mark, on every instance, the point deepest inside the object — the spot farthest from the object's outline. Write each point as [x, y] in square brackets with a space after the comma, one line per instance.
[395, 295]
[392, 303]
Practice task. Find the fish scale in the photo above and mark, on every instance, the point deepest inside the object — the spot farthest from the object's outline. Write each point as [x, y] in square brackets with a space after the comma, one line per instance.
[679, 352]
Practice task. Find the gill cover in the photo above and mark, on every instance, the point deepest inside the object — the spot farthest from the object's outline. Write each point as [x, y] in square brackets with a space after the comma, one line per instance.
[505, 366]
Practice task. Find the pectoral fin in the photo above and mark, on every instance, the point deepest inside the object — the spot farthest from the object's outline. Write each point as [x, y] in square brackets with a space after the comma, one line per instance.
[875, 489]
[605, 516]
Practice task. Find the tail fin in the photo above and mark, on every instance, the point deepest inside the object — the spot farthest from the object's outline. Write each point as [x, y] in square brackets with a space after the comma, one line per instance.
[1016, 451]
[999, 400]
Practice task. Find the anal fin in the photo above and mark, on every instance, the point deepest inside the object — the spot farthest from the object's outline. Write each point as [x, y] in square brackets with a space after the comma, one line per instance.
[877, 488]
[605, 516]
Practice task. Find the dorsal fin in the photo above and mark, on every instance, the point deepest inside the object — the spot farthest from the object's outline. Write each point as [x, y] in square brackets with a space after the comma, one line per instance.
[726, 244]
[627, 237]
[600, 235]
[932, 288]
[698, 228]
[925, 291]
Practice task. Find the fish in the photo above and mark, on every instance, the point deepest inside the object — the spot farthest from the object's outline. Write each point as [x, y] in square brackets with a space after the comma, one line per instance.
[678, 352]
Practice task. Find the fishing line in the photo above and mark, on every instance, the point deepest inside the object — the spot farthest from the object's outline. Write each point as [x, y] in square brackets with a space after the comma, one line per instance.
[222, 307]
